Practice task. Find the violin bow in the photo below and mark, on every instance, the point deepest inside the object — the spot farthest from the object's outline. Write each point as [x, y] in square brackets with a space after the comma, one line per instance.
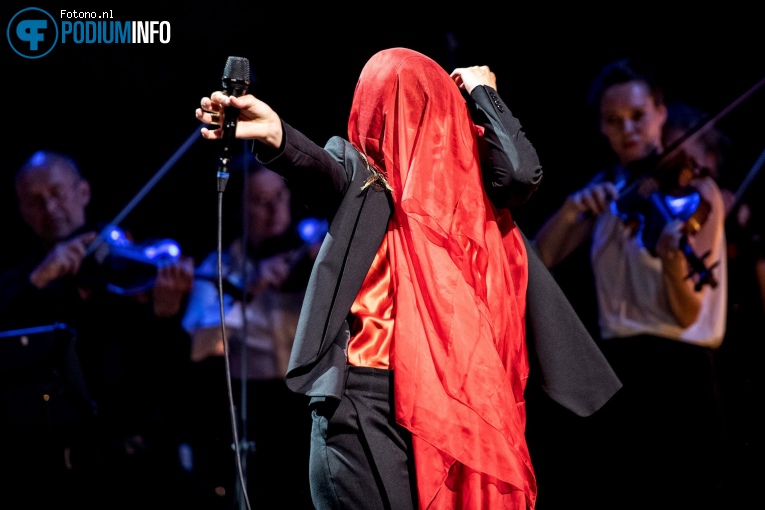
[748, 179]
[698, 267]
[143, 192]
[695, 132]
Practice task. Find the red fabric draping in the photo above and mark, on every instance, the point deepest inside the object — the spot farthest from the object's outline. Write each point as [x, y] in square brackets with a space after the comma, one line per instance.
[459, 282]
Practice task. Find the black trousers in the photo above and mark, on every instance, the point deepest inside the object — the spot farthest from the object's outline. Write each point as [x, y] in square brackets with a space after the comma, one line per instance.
[360, 457]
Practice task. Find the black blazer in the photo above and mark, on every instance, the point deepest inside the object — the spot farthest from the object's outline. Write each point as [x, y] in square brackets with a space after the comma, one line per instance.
[329, 180]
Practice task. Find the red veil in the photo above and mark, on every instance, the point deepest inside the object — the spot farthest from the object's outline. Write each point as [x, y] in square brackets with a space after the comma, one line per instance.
[459, 273]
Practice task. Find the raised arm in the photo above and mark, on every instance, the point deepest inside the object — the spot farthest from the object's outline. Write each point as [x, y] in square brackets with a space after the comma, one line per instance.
[572, 224]
[316, 179]
[512, 171]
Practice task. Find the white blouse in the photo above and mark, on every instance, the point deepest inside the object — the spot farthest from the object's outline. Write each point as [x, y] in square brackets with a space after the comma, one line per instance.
[629, 282]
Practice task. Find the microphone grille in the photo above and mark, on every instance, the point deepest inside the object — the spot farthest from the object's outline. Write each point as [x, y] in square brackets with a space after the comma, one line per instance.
[237, 69]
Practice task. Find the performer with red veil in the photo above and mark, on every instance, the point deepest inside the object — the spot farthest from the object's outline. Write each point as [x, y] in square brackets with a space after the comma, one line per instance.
[412, 341]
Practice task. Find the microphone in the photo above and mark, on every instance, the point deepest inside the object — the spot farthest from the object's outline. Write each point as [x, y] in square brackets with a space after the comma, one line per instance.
[236, 78]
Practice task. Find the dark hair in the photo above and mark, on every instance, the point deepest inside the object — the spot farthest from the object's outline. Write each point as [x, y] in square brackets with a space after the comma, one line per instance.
[620, 71]
[685, 118]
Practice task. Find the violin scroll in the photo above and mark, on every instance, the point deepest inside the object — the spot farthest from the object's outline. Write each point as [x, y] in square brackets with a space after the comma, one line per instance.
[698, 270]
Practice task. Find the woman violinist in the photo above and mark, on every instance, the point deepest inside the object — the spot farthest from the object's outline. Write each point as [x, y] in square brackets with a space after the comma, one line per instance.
[658, 442]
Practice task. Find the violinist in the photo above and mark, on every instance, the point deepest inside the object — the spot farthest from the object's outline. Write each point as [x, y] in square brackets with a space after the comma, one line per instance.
[108, 434]
[265, 270]
[657, 443]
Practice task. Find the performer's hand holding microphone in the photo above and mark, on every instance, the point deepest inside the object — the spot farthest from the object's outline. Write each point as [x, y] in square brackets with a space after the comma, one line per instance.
[232, 113]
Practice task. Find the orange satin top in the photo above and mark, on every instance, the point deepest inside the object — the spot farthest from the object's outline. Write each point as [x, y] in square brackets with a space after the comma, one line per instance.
[372, 329]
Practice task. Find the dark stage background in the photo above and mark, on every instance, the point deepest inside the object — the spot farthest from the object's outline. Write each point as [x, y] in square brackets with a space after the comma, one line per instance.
[123, 110]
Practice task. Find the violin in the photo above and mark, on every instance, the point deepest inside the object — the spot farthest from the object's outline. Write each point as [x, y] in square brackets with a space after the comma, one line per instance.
[661, 193]
[664, 194]
[127, 268]
[310, 231]
[124, 267]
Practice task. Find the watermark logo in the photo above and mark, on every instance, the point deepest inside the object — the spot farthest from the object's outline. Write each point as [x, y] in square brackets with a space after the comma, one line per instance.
[32, 33]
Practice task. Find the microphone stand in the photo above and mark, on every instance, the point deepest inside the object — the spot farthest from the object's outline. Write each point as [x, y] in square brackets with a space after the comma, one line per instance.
[236, 78]
[246, 446]
[239, 448]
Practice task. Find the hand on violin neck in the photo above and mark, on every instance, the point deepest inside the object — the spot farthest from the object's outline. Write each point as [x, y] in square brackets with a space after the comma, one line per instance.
[271, 273]
[668, 243]
[172, 285]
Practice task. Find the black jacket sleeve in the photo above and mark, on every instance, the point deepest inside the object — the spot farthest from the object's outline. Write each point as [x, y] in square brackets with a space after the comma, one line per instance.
[319, 189]
[511, 170]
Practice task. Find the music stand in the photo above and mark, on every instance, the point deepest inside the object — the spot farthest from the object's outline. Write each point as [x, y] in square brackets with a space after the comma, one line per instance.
[41, 381]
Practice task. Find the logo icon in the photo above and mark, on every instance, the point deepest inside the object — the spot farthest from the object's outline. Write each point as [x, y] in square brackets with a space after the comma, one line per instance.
[32, 33]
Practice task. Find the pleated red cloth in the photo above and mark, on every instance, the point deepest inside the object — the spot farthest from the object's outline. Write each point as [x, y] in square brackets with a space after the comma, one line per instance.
[459, 273]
